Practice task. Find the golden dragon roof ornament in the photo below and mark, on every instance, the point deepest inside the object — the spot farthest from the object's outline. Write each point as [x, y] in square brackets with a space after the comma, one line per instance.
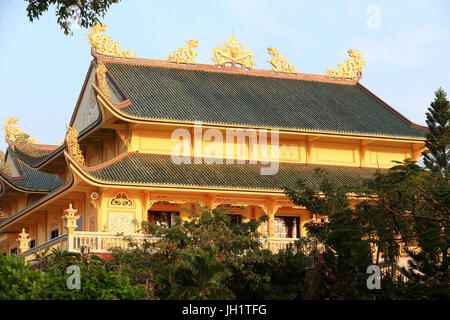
[103, 44]
[233, 51]
[102, 81]
[279, 63]
[351, 68]
[185, 54]
[19, 138]
[73, 145]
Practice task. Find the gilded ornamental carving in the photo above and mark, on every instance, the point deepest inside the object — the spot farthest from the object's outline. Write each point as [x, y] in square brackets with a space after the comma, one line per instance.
[121, 200]
[73, 146]
[233, 51]
[279, 63]
[19, 138]
[352, 68]
[102, 80]
[103, 44]
[185, 54]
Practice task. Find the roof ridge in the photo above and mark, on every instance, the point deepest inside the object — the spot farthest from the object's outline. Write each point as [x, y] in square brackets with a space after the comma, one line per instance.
[202, 67]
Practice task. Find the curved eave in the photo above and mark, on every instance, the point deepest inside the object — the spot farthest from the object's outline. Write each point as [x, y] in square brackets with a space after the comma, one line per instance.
[10, 184]
[117, 112]
[55, 194]
[84, 175]
[18, 163]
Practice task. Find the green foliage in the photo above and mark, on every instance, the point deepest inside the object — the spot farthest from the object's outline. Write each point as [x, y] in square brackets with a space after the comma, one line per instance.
[96, 284]
[88, 12]
[438, 139]
[20, 281]
[345, 248]
[200, 275]
[209, 257]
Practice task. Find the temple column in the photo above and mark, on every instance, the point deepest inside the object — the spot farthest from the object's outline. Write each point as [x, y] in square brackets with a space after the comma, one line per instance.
[270, 209]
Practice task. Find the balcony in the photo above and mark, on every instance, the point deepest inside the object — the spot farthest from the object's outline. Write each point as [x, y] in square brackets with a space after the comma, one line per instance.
[101, 242]
[97, 242]
[277, 244]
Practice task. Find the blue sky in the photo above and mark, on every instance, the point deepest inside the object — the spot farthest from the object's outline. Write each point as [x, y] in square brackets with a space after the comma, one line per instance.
[408, 56]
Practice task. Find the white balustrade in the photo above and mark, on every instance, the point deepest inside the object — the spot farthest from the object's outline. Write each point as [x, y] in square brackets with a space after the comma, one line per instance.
[277, 244]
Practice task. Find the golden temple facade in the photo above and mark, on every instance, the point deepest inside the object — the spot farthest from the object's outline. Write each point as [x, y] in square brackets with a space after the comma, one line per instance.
[152, 140]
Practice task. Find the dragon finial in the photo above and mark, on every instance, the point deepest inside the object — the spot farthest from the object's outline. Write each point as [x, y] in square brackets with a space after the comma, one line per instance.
[351, 69]
[103, 44]
[279, 63]
[185, 54]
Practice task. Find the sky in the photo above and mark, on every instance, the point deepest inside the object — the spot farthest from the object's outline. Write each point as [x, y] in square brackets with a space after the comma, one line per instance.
[406, 45]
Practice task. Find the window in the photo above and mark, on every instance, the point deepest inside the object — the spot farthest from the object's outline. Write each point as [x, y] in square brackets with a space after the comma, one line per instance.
[32, 243]
[285, 227]
[79, 225]
[14, 251]
[163, 217]
[54, 234]
[236, 219]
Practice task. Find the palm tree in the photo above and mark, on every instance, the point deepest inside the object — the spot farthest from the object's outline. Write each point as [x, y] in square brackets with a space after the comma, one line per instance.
[200, 275]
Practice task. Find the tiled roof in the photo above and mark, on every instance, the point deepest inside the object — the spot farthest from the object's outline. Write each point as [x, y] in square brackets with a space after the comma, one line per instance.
[150, 169]
[31, 179]
[168, 93]
[35, 161]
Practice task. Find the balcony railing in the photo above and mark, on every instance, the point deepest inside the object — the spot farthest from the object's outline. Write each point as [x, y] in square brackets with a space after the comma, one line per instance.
[101, 242]
[97, 242]
[277, 244]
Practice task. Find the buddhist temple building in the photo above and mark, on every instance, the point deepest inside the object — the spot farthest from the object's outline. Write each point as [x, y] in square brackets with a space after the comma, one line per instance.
[152, 140]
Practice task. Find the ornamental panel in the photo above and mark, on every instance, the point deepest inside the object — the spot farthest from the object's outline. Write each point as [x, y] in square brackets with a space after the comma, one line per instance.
[121, 200]
[121, 222]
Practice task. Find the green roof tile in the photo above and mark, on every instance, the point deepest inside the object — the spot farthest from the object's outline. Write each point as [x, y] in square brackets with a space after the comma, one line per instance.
[31, 179]
[145, 169]
[256, 101]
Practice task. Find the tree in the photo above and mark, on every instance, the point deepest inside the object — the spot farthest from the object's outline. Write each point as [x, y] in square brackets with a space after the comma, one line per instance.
[86, 13]
[209, 257]
[438, 139]
[344, 247]
[201, 275]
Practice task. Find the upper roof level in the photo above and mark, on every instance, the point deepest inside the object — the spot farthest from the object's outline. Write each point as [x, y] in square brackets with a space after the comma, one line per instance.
[237, 97]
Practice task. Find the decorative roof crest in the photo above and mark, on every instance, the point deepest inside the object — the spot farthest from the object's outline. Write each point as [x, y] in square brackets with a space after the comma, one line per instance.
[73, 145]
[280, 64]
[351, 68]
[185, 54]
[102, 81]
[103, 44]
[19, 138]
[233, 51]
